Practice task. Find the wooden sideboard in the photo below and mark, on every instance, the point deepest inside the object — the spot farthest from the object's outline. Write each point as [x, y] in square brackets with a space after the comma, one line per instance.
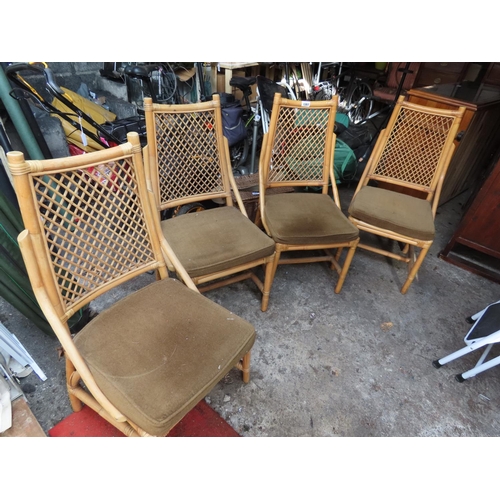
[479, 131]
[475, 245]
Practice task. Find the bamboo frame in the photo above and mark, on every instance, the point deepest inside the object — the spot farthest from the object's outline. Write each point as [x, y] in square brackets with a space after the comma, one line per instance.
[183, 160]
[431, 168]
[316, 143]
[67, 213]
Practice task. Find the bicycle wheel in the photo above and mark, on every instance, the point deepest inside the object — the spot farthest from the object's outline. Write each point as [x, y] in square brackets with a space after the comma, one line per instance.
[359, 102]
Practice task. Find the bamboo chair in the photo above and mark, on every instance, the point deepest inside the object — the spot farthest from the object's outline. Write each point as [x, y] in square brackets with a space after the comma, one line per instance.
[298, 152]
[149, 358]
[398, 193]
[188, 162]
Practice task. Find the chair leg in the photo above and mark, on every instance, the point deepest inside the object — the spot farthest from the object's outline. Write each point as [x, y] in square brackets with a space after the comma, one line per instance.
[414, 269]
[268, 281]
[72, 381]
[487, 341]
[245, 367]
[277, 257]
[345, 268]
[438, 363]
[479, 368]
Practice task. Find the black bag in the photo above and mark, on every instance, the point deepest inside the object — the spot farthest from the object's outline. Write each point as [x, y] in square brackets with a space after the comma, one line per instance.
[233, 127]
[356, 135]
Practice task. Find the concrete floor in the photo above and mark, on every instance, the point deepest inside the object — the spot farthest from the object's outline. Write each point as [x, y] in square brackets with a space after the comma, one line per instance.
[353, 364]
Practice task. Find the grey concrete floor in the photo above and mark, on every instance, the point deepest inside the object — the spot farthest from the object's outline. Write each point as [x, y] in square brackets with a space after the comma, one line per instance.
[358, 363]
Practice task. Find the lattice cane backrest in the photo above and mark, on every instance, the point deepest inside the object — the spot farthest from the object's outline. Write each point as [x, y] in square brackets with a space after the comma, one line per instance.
[187, 151]
[89, 215]
[417, 146]
[300, 142]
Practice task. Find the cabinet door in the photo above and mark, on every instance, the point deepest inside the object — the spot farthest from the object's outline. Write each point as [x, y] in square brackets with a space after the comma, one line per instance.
[440, 72]
[492, 76]
[481, 223]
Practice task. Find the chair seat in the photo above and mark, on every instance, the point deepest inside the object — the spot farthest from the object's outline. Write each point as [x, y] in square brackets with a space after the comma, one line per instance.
[165, 348]
[216, 239]
[307, 219]
[397, 212]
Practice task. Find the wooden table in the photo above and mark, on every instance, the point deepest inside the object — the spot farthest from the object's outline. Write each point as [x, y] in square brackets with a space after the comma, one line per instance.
[479, 130]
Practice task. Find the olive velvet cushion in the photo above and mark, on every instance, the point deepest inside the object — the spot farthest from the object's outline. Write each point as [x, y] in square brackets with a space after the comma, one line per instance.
[307, 219]
[215, 240]
[156, 353]
[397, 212]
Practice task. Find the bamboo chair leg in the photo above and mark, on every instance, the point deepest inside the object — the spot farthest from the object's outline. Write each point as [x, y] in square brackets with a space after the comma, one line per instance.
[414, 269]
[72, 379]
[277, 256]
[268, 281]
[345, 268]
[245, 367]
[411, 258]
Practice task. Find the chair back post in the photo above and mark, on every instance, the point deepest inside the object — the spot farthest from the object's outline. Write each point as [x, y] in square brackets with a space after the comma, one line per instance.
[331, 174]
[150, 153]
[263, 172]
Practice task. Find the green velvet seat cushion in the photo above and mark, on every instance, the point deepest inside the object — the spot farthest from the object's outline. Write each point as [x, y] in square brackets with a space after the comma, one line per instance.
[215, 240]
[156, 353]
[394, 211]
[307, 219]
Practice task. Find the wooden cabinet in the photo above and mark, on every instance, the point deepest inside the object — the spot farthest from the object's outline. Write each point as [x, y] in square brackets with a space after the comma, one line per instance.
[479, 130]
[475, 245]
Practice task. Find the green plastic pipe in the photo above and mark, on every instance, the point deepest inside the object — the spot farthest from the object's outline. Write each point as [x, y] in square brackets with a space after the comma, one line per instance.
[18, 118]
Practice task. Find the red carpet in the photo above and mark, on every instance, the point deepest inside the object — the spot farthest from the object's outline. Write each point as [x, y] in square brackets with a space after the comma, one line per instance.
[201, 421]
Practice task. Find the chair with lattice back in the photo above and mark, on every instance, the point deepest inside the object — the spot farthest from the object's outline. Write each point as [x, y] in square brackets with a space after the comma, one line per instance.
[298, 152]
[188, 163]
[148, 358]
[398, 193]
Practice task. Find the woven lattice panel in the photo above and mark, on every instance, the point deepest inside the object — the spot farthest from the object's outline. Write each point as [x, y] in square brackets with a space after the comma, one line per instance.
[188, 155]
[94, 226]
[298, 152]
[414, 147]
